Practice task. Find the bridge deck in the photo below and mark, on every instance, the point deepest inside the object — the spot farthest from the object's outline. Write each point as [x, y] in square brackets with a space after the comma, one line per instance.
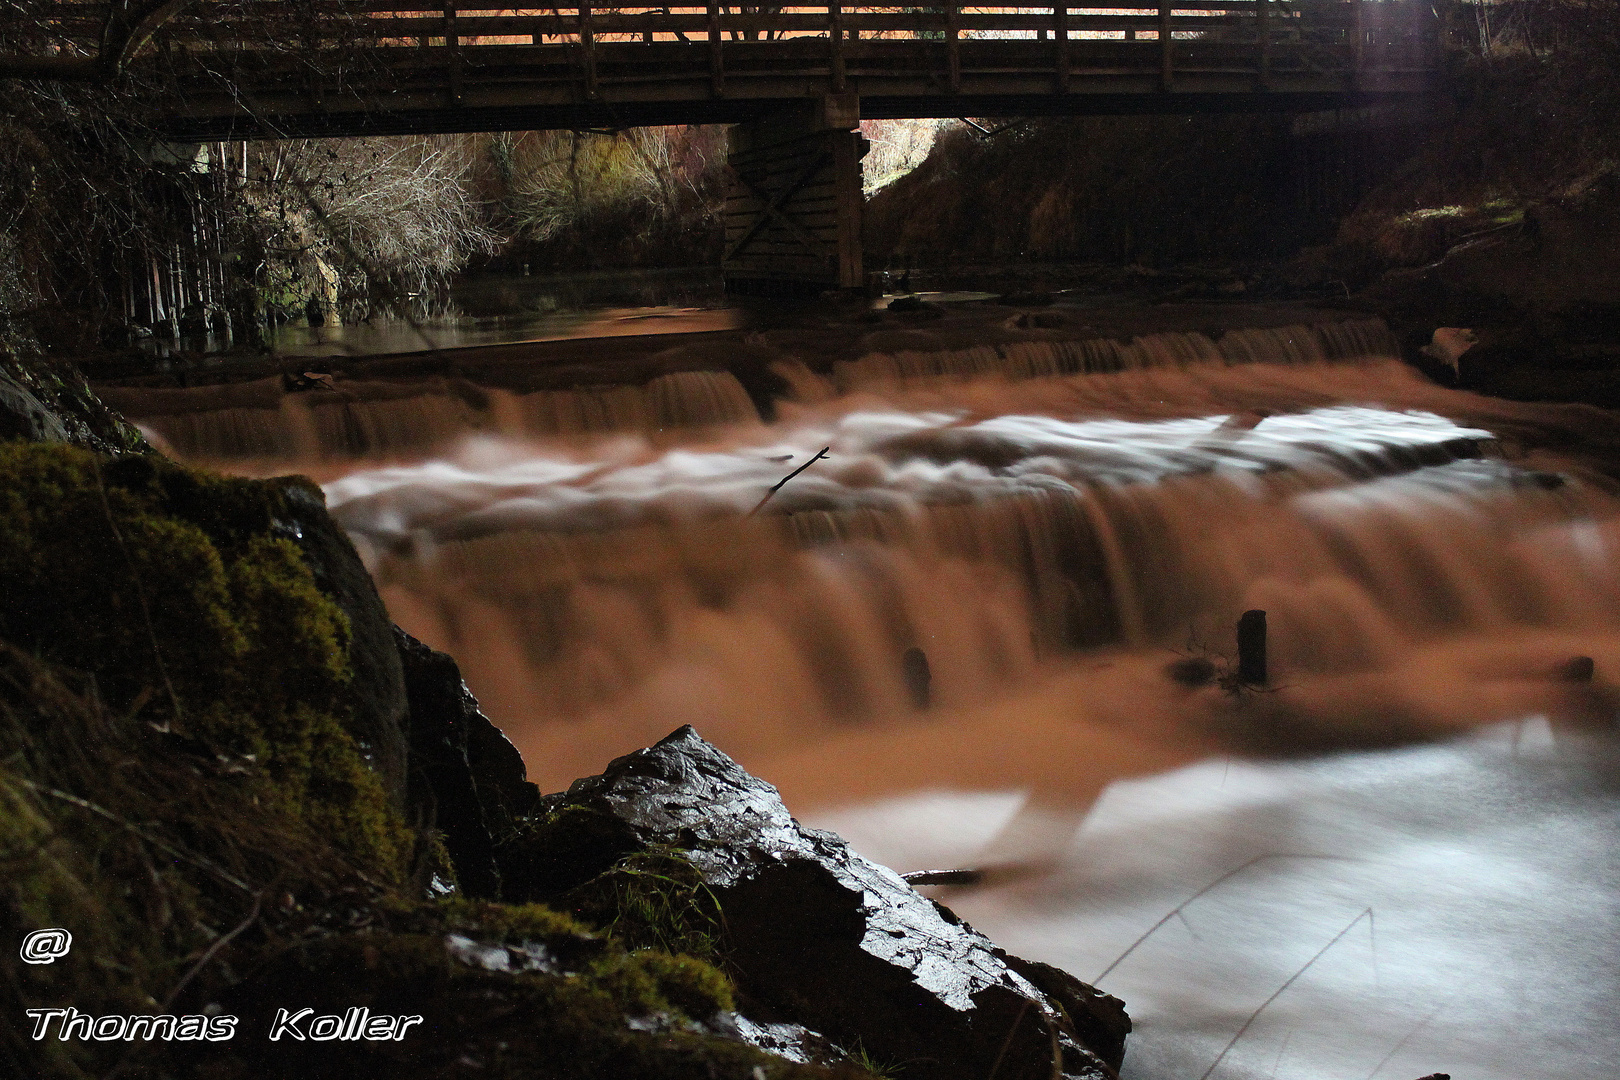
[330, 67]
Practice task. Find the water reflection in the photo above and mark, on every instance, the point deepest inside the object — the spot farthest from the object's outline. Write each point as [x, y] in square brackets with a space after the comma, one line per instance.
[393, 335]
[494, 309]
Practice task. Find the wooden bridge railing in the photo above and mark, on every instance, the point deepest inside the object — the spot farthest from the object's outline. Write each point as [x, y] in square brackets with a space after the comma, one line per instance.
[683, 51]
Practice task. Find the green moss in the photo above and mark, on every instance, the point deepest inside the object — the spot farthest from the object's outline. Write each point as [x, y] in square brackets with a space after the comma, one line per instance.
[181, 892]
[182, 784]
[649, 982]
[150, 849]
[509, 922]
[176, 590]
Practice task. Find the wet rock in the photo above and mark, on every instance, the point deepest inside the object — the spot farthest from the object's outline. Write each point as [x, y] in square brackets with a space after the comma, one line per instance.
[914, 307]
[24, 416]
[795, 1042]
[1579, 669]
[466, 779]
[1098, 1018]
[1448, 346]
[818, 937]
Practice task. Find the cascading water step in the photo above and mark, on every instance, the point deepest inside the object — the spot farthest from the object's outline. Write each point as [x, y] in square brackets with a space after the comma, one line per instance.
[316, 415]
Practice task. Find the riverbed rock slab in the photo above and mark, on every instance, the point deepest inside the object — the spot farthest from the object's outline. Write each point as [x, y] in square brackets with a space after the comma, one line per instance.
[817, 936]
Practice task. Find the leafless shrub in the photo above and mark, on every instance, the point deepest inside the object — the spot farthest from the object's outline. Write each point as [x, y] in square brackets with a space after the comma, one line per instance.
[647, 194]
[380, 216]
[898, 146]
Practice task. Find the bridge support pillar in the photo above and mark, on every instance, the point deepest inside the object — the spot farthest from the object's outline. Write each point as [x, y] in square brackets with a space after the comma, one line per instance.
[793, 200]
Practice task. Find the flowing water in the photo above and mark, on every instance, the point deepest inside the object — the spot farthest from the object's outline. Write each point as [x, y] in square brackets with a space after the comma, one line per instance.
[980, 590]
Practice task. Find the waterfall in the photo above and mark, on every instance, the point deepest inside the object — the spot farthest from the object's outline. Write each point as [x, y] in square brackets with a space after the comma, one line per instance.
[355, 418]
[358, 418]
[600, 561]
[1324, 343]
[600, 593]
[1065, 533]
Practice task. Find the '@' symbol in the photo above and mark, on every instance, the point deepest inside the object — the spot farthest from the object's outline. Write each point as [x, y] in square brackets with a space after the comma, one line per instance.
[46, 946]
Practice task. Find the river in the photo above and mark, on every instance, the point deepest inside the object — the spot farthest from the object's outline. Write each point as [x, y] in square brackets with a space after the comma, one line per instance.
[1017, 572]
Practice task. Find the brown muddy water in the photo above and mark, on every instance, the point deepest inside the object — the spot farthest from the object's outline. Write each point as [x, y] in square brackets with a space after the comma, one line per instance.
[1398, 857]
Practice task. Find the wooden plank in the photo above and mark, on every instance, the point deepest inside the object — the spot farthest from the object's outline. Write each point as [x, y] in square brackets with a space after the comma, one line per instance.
[717, 71]
[1166, 48]
[587, 45]
[835, 45]
[1060, 35]
[771, 209]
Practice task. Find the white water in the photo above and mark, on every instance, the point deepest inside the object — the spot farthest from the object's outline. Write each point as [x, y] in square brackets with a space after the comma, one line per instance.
[1052, 541]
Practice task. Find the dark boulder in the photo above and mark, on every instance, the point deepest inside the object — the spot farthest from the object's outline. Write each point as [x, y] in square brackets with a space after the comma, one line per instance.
[465, 778]
[817, 936]
[378, 683]
[24, 416]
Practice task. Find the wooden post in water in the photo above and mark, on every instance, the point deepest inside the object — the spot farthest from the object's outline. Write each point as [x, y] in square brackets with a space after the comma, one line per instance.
[953, 48]
[1251, 642]
[918, 678]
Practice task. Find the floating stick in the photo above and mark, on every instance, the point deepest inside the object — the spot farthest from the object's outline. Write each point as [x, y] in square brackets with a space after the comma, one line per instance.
[785, 479]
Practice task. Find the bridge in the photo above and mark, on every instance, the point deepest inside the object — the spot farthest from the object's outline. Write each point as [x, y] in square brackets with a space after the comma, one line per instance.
[797, 77]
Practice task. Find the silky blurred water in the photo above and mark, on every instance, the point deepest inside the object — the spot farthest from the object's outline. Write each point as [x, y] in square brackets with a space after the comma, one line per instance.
[1483, 873]
[1407, 838]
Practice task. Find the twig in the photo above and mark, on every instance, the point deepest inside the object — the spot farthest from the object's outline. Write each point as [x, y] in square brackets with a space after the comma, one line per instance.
[1421, 1024]
[785, 479]
[1280, 990]
[1179, 908]
[202, 961]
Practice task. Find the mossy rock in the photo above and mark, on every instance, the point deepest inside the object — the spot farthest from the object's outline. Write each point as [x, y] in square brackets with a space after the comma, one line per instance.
[186, 897]
[43, 399]
[513, 993]
[186, 598]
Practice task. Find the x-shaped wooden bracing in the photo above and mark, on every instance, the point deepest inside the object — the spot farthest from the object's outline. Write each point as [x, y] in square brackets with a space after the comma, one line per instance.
[773, 209]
